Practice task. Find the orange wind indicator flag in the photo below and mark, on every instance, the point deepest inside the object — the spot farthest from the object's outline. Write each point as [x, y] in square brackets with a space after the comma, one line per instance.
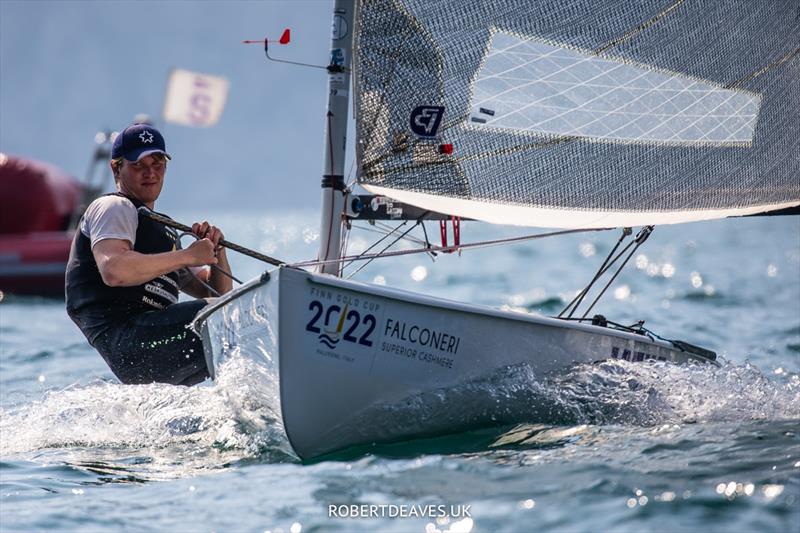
[285, 38]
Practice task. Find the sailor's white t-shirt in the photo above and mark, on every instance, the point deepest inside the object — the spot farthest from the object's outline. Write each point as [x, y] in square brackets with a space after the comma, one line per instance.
[115, 217]
[110, 217]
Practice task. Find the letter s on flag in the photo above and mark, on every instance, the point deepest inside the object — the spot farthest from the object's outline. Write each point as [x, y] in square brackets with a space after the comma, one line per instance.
[194, 99]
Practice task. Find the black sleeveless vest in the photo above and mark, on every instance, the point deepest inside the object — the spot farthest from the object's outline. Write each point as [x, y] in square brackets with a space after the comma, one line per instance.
[91, 302]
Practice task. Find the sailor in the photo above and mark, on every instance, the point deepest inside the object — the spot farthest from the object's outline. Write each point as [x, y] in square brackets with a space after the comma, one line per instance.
[125, 272]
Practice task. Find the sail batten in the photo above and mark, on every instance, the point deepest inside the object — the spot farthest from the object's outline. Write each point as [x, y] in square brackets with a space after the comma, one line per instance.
[601, 112]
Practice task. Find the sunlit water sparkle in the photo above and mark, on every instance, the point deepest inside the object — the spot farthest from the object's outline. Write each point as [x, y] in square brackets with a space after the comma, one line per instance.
[617, 445]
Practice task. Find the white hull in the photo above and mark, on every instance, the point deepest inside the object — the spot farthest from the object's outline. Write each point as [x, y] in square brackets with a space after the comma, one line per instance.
[360, 363]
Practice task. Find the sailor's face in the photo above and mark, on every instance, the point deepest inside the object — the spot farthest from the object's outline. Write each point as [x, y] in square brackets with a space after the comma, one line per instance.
[143, 179]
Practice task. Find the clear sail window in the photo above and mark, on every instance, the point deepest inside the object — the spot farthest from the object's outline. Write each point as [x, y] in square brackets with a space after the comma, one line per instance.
[537, 86]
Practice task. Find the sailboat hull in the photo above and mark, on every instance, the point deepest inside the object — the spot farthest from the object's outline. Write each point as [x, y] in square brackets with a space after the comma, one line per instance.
[360, 363]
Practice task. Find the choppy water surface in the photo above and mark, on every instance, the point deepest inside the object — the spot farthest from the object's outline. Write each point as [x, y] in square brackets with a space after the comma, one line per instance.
[618, 445]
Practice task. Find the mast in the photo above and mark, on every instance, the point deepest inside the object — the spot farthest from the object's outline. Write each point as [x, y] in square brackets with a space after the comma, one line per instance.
[336, 134]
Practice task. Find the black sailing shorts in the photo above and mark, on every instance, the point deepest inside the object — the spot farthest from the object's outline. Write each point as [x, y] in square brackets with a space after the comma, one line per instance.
[156, 346]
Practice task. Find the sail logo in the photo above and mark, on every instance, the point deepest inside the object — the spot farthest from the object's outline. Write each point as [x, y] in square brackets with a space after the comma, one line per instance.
[337, 57]
[425, 120]
[334, 324]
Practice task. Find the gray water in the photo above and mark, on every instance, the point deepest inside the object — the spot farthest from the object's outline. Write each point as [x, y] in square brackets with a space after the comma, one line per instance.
[618, 446]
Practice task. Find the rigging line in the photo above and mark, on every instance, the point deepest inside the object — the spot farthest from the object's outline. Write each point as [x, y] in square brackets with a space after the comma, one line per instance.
[679, 344]
[632, 329]
[638, 29]
[378, 230]
[600, 271]
[642, 236]
[178, 236]
[582, 294]
[410, 238]
[345, 239]
[764, 70]
[425, 232]
[376, 243]
[344, 243]
[381, 231]
[226, 273]
[350, 175]
[359, 269]
[364, 265]
[640, 326]
[393, 230]
[601, 274]
[168, 222]
[428, 243]
[210, 289]
[218, 268]
[443, 249]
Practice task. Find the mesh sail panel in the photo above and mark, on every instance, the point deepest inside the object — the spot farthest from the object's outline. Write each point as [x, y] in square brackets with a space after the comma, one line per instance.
[594, 113]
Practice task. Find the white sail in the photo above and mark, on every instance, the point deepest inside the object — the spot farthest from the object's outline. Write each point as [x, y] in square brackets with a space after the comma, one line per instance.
[534, 113]
[518, 215]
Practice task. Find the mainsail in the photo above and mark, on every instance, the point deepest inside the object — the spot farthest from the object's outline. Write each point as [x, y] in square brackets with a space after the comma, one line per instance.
[593, 113]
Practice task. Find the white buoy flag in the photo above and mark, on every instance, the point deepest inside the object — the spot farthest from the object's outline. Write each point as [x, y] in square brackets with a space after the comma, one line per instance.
[194, 99]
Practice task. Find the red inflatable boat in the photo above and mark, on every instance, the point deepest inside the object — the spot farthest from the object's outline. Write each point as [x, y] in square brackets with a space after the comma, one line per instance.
[38, 204]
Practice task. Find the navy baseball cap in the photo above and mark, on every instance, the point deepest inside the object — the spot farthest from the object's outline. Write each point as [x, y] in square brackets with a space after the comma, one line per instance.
[137, 141]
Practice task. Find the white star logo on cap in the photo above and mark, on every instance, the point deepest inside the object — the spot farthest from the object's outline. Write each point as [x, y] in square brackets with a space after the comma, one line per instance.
[146, 137]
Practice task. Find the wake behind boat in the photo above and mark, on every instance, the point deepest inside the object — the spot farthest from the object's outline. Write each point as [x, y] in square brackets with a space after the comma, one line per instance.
[509, 114]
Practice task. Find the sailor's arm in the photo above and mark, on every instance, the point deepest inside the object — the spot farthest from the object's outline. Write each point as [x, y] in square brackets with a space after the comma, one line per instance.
[221, 282]
[121, 266]
[217, 279]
